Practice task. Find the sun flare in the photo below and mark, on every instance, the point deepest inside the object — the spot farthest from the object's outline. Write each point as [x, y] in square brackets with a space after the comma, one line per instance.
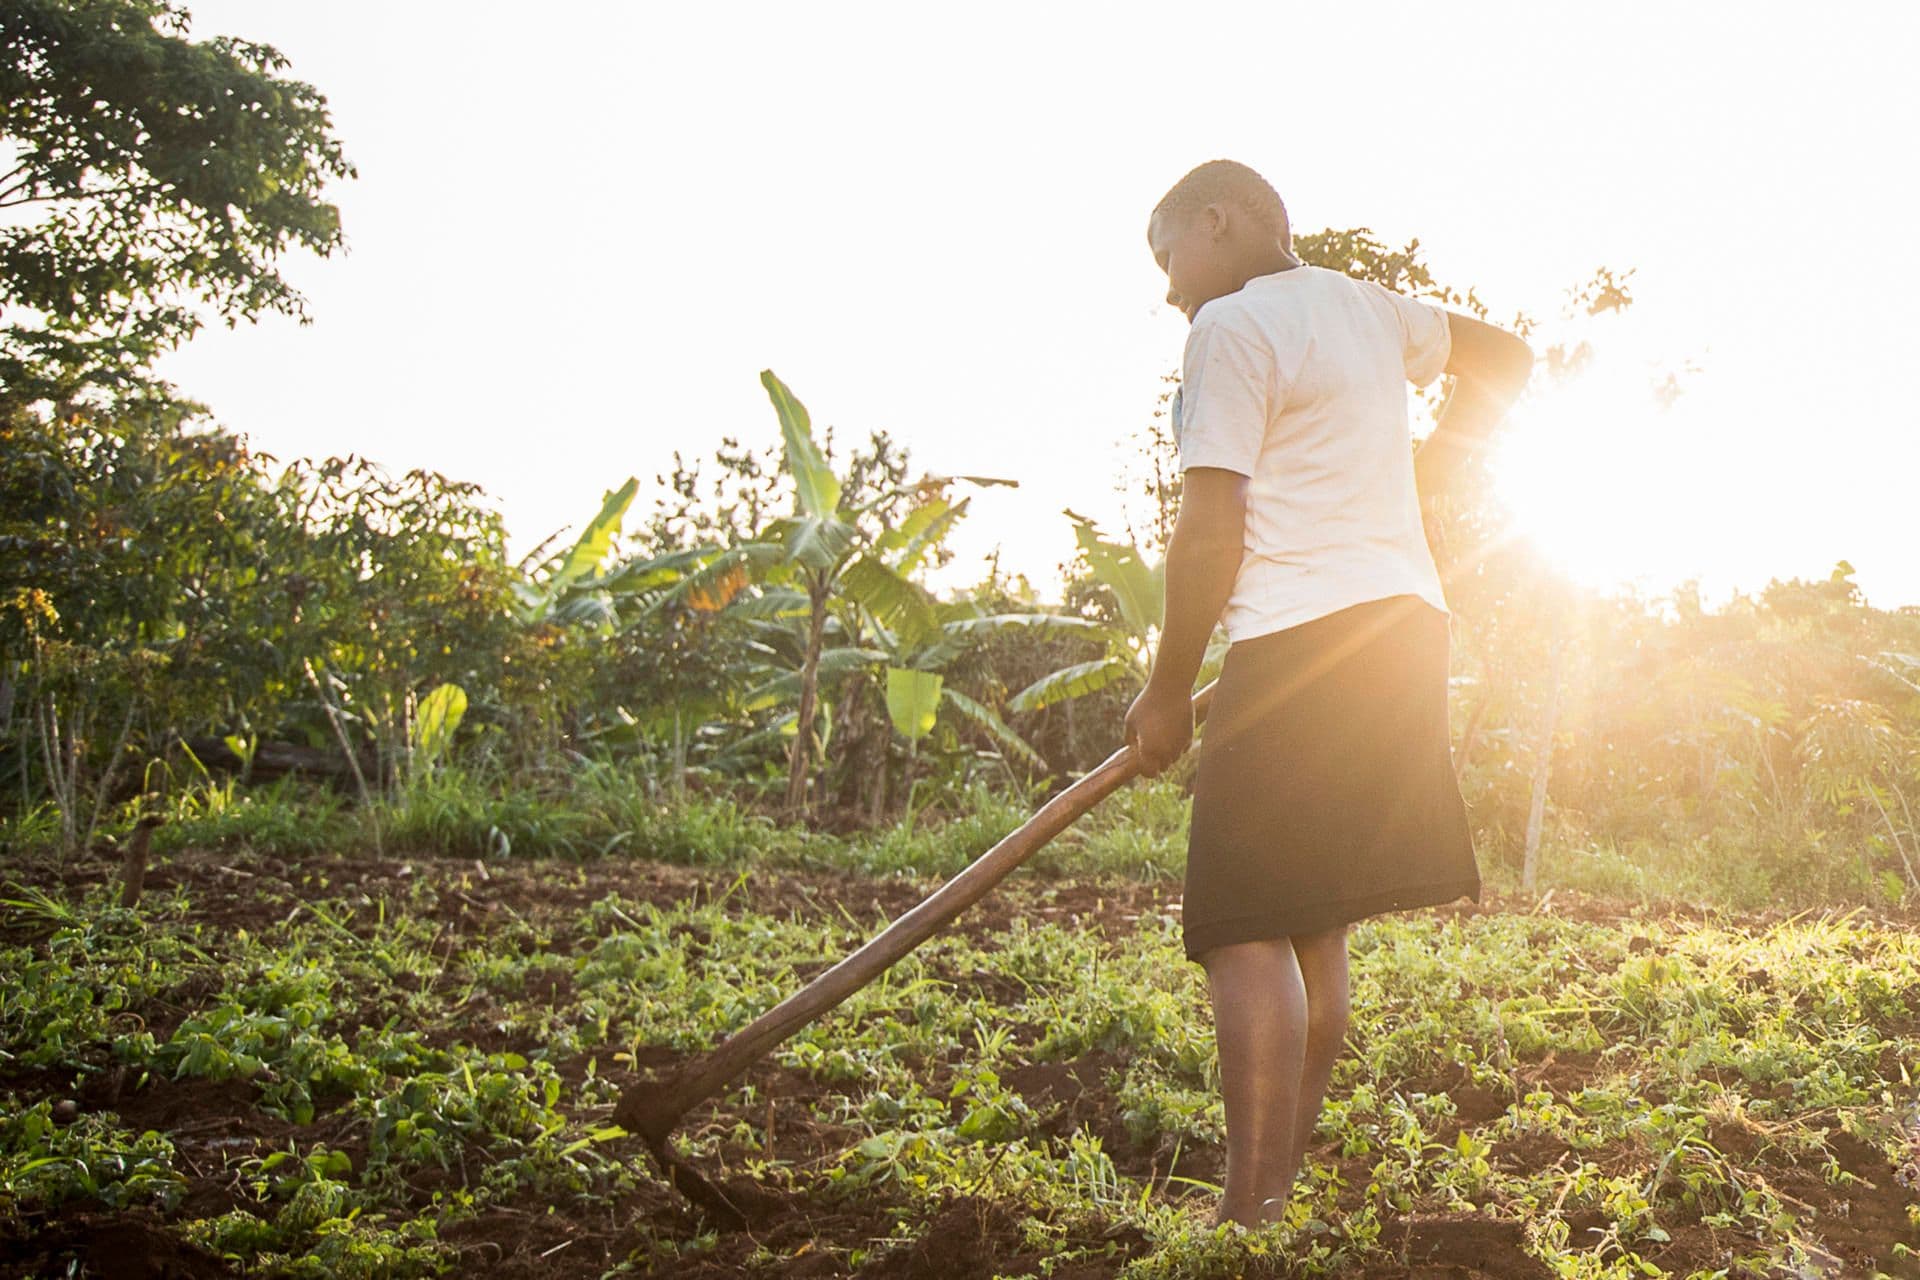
[1597, 474]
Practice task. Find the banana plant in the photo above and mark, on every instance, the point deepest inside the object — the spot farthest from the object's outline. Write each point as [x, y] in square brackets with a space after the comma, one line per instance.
[916, 688]
[823, 555]
[824, 596]
[1139, 589]
[578, 588]
[431, 728]
[567, 588]
[887, 624]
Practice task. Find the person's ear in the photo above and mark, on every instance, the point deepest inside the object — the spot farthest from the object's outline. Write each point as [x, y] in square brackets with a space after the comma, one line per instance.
[1216, 222]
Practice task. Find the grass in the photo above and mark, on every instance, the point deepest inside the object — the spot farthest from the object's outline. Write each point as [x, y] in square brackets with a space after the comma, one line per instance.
[387, 1063]
[601, 810]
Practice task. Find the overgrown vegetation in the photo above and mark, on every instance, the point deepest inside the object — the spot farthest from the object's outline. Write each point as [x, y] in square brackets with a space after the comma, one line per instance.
[370, 1067]
[369, 634]
[450, 845]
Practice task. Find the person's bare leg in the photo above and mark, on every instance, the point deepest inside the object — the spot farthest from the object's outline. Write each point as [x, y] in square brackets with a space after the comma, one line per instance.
[1260, 1025]
[1323, 969]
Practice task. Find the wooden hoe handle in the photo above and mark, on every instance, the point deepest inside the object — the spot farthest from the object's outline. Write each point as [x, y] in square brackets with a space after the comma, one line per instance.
[651, 1109]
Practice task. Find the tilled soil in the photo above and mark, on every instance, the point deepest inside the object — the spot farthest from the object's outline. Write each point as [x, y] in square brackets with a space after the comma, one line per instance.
[963, 1236]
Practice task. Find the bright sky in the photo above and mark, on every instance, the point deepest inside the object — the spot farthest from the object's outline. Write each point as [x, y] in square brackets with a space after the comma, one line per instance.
[579, 233]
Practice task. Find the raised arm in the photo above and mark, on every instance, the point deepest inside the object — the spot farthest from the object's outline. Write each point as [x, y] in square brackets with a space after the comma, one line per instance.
[1490, 368]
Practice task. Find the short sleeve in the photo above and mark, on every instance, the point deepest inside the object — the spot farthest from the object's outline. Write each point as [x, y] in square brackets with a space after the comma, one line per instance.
[1425, 332]
[1426, 337]
[1221, 407]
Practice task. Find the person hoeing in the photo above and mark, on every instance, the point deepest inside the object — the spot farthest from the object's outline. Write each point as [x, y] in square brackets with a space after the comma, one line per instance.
[1324, 791]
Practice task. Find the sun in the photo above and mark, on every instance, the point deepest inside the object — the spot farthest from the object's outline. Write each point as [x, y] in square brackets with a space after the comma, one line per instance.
[1597, 473]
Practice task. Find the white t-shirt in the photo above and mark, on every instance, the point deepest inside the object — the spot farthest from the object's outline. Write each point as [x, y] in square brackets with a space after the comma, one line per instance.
[1299, 381]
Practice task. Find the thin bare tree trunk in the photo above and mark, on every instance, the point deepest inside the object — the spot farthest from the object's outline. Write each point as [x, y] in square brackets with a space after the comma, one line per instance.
[353, 760]
[1773, 778]
[1901, 796]
[63, 761]
[1893, 833]
[878, 807]
[679, 756]
[108, 774]
[1542, 766]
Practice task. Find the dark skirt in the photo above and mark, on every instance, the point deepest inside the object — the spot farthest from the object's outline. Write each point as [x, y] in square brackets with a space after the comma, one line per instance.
[1325, 790]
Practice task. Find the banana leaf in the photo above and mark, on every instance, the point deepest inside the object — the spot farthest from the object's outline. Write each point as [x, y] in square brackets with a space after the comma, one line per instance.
[986, 624]
[591, 548]
[833, 662]
[913, 701]
[984, 716]
[901, 605]
[1070, 682]
[1121, 569]
[818, 487]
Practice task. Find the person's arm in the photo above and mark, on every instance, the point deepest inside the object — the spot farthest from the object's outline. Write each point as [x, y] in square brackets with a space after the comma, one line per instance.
[1230, 387]
[1490, 368]
[1203, 558]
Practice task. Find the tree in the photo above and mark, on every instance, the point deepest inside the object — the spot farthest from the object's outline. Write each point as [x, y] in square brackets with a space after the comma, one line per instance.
[100, 599]
[145, 173]
[160, 581]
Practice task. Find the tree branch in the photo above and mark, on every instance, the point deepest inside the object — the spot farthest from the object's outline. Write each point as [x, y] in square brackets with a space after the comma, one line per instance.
[125, 189]
[15, 178]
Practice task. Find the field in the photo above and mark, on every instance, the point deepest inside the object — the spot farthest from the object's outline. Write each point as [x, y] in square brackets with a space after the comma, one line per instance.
[379, 1066]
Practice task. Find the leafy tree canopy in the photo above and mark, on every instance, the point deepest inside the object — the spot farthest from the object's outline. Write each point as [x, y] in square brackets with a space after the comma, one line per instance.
[144, 175]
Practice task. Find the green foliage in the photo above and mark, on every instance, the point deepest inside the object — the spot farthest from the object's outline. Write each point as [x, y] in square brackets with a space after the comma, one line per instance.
[1076, 681]
[558, 593]
[311, 604]
[825, 606]
[913, 698]
[1673, 1065]
[44, 1164]
[434, 722]
[1137, 590]
[147, 172]
[460, 812]
[813, 479]
[1137, 586]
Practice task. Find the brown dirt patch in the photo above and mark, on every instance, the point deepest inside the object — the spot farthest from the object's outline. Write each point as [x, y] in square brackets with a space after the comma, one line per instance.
[966, 1239]
[1856, 1222]
[247, 890]
[112, 1246]
[811, 1234]
[1454, 1245]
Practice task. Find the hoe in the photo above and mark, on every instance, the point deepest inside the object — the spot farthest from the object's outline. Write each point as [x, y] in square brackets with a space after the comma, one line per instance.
[651, 1108]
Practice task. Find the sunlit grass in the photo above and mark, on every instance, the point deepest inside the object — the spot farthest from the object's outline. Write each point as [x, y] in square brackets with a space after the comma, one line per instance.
[1676, 1039]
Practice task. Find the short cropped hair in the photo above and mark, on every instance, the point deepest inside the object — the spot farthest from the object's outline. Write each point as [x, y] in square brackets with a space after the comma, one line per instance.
[1230, 183]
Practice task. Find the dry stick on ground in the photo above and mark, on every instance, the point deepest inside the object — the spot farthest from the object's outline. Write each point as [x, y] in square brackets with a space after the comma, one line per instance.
[652, 1108]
